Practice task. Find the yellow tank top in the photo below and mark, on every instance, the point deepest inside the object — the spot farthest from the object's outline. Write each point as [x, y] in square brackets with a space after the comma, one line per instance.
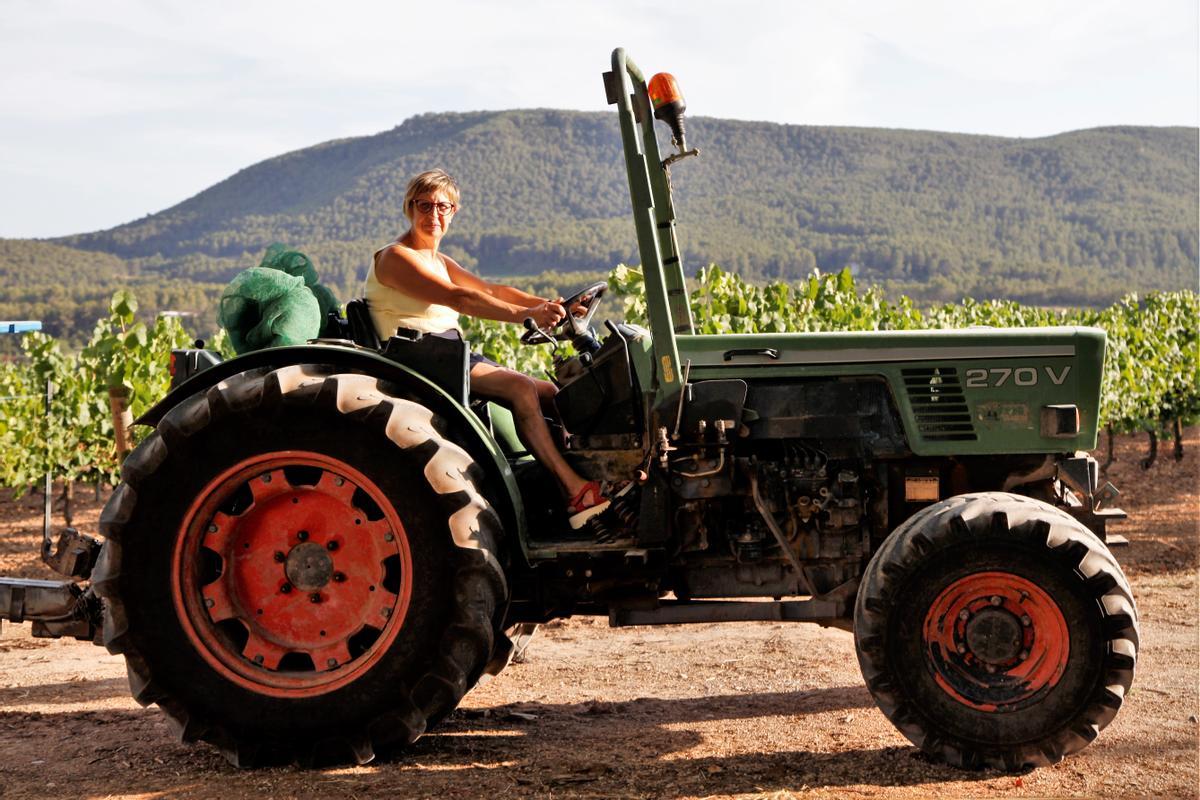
[391, 308]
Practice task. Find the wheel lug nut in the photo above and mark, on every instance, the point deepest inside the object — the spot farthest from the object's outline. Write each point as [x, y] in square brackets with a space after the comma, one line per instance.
[280, 557]
[302, 536]
[338, 577]
[1024, 654]
[962, 648]
[315, 597]
[258, 659]
[332, 662]
[287, 587]
[964, 615]
[1026, 621]
[996, 600]
[209, 602]
[331, 546]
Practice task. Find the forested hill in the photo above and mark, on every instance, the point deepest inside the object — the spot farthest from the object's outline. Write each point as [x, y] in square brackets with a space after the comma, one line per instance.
[1077, 218]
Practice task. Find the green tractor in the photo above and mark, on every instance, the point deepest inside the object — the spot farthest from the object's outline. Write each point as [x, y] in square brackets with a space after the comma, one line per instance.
[320, 549]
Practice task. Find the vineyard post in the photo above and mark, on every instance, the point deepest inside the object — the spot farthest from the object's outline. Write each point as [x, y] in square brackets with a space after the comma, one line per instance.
[122, 418]
[46, 496]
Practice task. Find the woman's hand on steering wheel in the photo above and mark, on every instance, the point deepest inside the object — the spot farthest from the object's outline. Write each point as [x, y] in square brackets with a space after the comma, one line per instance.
[582, 307]
[547, 315]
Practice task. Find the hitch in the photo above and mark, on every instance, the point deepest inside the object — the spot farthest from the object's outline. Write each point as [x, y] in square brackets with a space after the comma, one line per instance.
[56, 608]
[1081, 474]
[73, 556]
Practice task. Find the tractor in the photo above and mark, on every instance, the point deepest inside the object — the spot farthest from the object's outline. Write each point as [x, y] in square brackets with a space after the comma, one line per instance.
[321, 548]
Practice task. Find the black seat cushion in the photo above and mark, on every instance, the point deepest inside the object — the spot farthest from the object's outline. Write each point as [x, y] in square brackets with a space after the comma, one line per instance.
[362, 329]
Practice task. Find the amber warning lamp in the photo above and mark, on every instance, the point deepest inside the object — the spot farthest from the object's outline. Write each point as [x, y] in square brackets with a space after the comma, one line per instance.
[669, 106]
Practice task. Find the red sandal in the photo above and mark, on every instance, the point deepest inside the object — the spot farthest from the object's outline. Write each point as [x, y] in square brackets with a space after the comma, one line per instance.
[587, 503]
[593, 499]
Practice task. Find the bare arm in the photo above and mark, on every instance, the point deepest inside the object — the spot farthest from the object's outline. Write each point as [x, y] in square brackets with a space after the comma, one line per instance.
[401, 268]
[509, 294]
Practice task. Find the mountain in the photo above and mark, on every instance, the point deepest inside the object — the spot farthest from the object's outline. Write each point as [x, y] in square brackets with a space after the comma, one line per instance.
[1077, 218]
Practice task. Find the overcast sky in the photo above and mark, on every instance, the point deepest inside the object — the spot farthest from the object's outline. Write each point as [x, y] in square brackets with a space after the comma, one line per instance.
[116, 109]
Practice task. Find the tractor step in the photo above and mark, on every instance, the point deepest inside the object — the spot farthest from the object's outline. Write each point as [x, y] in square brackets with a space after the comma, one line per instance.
[829, 612]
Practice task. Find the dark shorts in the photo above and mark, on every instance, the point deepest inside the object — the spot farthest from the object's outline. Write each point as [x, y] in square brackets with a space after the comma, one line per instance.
[476, 358]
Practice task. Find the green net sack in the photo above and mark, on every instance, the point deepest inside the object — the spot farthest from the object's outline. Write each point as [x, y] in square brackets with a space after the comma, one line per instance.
[292, 262]
[264, 307]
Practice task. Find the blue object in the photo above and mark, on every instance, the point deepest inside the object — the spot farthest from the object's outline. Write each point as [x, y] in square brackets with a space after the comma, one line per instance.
[23, 326]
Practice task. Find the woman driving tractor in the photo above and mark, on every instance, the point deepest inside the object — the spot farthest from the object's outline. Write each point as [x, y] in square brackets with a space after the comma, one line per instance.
[412, 285]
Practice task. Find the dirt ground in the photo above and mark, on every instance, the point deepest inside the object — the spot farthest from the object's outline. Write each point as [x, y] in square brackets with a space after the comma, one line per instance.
[736, 710]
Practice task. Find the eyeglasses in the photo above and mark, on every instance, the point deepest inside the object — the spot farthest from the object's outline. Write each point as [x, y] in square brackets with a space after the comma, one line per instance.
[426, 206]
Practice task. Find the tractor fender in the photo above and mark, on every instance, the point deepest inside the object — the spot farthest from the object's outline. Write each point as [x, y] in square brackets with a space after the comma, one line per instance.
[468, 430]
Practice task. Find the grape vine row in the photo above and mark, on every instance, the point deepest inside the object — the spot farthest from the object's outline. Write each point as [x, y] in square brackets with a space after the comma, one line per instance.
[1151, 377]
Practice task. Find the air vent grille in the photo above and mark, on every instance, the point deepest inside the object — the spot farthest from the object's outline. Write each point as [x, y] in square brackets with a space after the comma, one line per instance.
[938, 402]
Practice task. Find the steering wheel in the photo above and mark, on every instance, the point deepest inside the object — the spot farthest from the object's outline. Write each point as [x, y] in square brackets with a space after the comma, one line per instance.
[571, 326]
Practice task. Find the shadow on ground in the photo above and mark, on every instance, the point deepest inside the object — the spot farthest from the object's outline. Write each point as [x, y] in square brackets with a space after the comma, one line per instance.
[517, 749]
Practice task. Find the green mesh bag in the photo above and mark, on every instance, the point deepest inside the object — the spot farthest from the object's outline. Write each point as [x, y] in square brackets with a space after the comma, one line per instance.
[292, 262]
[264, 307]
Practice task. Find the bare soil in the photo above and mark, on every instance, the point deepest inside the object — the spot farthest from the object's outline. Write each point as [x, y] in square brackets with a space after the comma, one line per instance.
[734, 710]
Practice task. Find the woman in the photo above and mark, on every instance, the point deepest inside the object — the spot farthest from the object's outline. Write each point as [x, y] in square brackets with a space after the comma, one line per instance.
[412, 285]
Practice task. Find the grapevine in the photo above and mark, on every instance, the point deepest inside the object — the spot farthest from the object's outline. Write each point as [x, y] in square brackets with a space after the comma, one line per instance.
[74, 439]
[1151, 371]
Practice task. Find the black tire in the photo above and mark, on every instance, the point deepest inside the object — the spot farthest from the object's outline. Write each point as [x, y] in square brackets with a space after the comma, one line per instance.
[417, 493]
[995, 630]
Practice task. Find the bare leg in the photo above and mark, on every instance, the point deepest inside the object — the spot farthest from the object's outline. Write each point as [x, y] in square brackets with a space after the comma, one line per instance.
[546, 392]
[525, 396]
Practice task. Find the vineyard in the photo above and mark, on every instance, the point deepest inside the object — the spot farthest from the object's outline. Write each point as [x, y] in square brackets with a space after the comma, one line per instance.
[1151, 381]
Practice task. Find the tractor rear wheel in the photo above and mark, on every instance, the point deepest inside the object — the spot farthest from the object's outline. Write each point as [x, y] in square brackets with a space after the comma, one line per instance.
[300, 567]
[995, 630]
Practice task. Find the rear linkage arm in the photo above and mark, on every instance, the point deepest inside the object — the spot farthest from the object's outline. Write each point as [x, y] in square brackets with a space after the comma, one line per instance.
[57, 608]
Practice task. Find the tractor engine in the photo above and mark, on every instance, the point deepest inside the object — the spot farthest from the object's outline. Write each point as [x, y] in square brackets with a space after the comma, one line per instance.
[793, 508]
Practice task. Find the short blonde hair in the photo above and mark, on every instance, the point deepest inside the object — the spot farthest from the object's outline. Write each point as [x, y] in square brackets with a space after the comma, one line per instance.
[431, 181]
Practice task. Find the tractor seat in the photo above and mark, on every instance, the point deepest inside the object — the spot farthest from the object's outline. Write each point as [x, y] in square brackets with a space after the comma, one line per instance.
[446, 363]
[362, 329]
[440, 360]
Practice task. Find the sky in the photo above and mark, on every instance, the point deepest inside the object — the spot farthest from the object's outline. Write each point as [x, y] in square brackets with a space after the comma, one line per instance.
[113, 110]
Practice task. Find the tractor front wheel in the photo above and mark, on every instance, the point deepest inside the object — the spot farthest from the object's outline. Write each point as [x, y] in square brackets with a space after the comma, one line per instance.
[995, 630]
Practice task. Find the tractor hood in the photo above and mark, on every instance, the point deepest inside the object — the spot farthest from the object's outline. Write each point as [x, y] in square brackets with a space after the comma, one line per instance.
[978, 390]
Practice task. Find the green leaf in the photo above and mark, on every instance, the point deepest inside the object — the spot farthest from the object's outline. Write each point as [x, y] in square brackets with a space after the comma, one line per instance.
[123, 304]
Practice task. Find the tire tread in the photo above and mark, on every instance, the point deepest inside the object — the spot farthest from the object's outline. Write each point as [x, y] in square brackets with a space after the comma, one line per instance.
[466, 644]
[996, 515]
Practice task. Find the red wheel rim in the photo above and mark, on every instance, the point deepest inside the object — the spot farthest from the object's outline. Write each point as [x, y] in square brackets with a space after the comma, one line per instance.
[996, 641]
[292, 574]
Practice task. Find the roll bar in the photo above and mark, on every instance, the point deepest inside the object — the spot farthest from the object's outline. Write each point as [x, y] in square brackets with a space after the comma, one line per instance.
[654, 218]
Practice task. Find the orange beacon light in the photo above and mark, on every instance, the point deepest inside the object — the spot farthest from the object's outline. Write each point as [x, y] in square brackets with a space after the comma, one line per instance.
[668, 105]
